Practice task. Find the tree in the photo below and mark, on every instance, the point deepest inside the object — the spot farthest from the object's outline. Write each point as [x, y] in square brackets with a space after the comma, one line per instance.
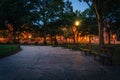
[89, 24]
[113, 19]
[14, 12]
[101, 9]
[69, 19]
[46, 12]
[53, 29]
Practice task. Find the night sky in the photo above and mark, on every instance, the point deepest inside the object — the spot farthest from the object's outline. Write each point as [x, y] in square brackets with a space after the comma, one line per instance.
[79, 5]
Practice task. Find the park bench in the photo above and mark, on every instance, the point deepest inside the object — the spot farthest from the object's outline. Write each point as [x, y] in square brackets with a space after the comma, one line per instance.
[86, 50]
[105, 55]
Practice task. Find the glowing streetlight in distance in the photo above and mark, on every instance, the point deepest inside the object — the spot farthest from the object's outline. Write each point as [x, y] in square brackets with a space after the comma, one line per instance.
[77, 23]
[30, 36]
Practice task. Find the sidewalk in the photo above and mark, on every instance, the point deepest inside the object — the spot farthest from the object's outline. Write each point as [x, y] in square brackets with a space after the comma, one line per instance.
[54, 63]
[110, 72]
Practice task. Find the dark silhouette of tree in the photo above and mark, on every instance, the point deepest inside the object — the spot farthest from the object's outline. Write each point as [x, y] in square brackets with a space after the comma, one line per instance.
[14, 12]
[89, 24]
[101, 9]
[46, 12]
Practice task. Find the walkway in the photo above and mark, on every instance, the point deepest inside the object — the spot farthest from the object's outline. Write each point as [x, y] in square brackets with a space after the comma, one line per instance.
[52, 63]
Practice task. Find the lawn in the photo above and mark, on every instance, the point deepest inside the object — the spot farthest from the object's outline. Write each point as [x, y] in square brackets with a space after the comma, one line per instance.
[6, 50]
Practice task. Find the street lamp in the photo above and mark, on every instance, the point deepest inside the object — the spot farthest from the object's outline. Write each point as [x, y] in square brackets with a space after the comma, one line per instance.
[113, 36]
[77, 23]
[30, 36]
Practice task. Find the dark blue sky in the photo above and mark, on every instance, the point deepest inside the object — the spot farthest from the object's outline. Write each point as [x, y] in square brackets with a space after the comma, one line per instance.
[79, 5]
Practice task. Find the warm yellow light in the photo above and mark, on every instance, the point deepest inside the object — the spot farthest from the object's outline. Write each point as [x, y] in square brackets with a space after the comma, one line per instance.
[77, 23]
[113, 36]
[30, 36]
[64, 29]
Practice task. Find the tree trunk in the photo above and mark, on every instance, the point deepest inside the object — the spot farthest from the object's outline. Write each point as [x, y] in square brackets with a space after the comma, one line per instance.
[74, 39]
[100, 29]
[51, 39]
[100, 24]
[77, 37]
[109, 38]
[55, 41]
[45, 41]
[14, 34]
[89, 39]
[98, 13]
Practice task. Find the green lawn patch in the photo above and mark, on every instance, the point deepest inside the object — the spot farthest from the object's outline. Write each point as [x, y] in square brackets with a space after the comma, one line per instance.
[6, 50]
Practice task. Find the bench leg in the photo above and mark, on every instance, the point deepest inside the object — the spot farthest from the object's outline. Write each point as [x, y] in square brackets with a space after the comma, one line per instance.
[106, 60]
[95, 57]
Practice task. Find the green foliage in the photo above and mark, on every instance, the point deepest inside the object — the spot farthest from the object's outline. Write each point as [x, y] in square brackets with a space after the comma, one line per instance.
[53, 28]
[89, 27]
[89, 24]
[16, 13]
[11, 11]
[48, 13]
[103, 9]
[6, 50]
[68, 33]
[45, 11]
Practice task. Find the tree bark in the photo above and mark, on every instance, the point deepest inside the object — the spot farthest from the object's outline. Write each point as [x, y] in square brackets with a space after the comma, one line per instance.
[109, 37]
[99, 16]
[51, 39]
[89, 39]
[100, 29]
[14, 34]
[45, 41]
[74, 39]
[100, 24]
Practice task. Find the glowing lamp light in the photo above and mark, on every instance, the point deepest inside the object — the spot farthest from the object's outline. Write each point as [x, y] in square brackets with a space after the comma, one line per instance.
[113, 36]
[30, 36]
[77, 23]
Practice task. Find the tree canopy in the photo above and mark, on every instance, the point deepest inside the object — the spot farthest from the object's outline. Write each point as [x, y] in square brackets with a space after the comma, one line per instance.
[102, 9]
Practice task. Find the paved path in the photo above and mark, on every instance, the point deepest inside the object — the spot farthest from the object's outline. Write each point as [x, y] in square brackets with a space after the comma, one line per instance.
[51, 63]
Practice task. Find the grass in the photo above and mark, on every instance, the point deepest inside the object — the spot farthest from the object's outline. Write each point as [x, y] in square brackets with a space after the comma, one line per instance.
[6, 50]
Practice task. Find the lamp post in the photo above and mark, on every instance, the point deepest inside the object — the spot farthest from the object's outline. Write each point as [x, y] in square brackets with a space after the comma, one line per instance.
[113, 36]
[29, 36]
[77, 23]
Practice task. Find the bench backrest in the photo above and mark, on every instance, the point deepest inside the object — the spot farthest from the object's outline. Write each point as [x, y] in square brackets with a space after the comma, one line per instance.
[107, 50]
[88, 46]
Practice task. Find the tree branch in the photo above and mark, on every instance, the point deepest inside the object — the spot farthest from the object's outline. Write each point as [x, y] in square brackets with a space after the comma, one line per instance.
[91, 8]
